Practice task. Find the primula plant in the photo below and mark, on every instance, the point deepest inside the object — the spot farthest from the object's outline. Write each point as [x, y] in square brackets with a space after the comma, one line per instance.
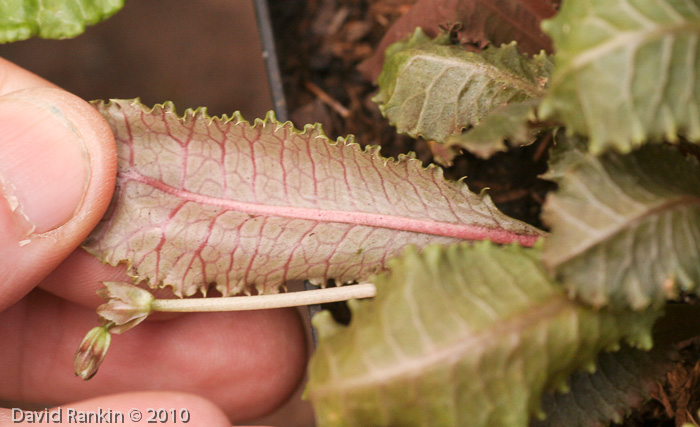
[478, 319]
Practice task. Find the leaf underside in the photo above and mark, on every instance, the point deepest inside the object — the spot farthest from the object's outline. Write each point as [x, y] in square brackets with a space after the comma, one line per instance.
[433, 89]
[484, 21]
[625, 228]
[202, 201]
[626, 71]
[623, 381]
[509, 123]
[52, 19]
[464, 335]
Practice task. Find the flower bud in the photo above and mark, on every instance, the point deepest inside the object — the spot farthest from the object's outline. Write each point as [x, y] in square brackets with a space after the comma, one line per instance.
[92, 351]
[127, 305]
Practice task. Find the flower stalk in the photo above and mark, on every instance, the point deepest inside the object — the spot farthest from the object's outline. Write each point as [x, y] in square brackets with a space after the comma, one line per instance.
[128, 305]
[261, 302]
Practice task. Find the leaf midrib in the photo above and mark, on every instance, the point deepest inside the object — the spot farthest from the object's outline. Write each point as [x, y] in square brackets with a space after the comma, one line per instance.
[621, 227]
[630, 39]
[393, 222]
[481, 68]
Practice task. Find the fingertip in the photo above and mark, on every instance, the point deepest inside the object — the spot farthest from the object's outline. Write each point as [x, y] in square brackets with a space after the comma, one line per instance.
[249, 363]
[57, 174]
[14, 77]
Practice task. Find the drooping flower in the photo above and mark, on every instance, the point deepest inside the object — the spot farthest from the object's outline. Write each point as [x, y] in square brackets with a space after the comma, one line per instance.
[92, 351]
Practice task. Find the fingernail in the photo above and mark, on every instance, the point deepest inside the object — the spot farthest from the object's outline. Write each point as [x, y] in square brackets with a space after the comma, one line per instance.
[44, 166]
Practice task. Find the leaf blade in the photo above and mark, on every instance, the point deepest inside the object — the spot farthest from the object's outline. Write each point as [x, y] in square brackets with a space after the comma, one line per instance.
[629, 221]
[455, 337]
[202, 201]
[623, 71]
[511, 122]
[432, 89]
[623, 381]
[58, 19]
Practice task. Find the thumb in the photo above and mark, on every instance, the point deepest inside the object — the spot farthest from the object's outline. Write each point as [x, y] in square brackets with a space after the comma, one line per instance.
[57, 169]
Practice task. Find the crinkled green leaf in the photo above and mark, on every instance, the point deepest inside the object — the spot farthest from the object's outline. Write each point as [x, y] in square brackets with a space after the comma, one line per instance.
[622, 382]
[458, 336]
[204, 201]
[52, 19]
[626, 228]
[483, 22]
[626, 71]
[434, 89]
[511, 123]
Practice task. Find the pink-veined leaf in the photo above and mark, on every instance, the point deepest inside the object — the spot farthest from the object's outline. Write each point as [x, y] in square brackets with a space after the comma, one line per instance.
[203, 201]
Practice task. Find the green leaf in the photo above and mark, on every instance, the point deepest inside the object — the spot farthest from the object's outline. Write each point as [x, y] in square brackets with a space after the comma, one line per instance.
[511, 122]
[204, 201]
[464, 335]
[626, 71]
[433, 89]
[52, 19]
[565, 152]
[626, 228]
[623, 381]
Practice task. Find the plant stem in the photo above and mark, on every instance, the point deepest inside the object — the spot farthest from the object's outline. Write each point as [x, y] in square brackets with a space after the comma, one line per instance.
[260, 302]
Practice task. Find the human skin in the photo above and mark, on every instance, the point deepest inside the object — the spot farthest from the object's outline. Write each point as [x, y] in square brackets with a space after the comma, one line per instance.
[57, 175]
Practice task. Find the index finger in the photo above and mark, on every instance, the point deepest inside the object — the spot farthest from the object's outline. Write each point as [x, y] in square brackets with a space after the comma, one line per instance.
[13, 77]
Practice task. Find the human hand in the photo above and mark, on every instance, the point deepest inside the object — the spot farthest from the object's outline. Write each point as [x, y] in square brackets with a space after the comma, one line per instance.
[57, 172]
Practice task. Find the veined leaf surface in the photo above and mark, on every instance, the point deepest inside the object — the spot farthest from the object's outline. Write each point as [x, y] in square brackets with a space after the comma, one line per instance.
[626, 71]
[203, 201]
[52, 19]
[625, 228]
[510, 122]
[458, 336]
[484, 21]
[622, 382]
[623, 379]
[433, 89]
